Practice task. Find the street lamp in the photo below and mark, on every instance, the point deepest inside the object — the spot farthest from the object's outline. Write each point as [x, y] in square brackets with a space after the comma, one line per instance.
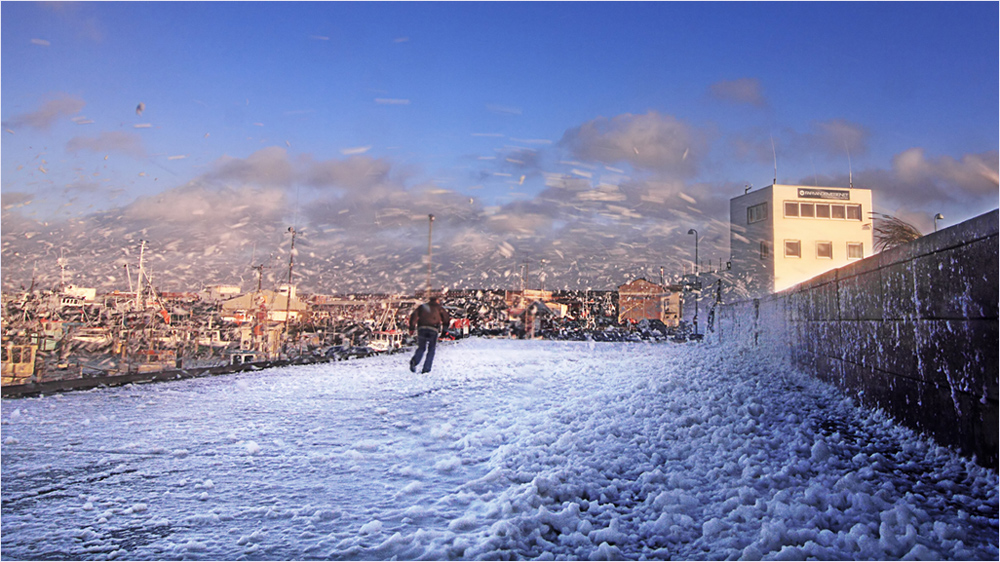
[697, 283]
[430, 236]
[937, 217]
[695, 232]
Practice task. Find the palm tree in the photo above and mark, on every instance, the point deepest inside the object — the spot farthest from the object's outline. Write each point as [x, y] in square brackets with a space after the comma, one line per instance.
[891, 231]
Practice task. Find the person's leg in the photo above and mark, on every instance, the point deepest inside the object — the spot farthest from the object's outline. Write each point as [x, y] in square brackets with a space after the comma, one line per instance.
[431, 345]
[419, 353]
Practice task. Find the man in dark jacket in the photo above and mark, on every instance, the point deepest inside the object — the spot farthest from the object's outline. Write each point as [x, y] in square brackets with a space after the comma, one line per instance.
[429, 320]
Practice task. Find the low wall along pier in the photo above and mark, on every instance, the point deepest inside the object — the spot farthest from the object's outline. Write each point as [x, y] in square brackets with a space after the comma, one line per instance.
[912, 330]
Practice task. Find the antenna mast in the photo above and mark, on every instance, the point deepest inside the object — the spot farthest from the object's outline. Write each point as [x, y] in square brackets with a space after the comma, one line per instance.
[775, 153]
[850, 171]
[139, 305]
[62, 269]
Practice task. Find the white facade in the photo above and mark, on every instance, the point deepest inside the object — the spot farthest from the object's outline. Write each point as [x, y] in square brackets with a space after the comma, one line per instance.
[782, 235]
[88, 294]
[221, 292]
[286, 289]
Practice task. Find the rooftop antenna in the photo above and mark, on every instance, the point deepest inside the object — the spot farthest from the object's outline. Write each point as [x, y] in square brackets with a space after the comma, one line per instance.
[62, 268]
[775, 153]
[850, 171]
[260, 274]
[259, 268]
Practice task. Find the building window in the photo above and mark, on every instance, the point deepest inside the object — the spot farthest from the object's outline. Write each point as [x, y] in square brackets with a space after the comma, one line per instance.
[822, 211]
[824, 250]
[793, 249]
[757, 213]
[855, 250]
[765, 250]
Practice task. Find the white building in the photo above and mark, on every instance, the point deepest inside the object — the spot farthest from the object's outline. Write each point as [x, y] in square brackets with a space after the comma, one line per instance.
[782, 235]
[272, 305]
[88, 294]
[221, 292]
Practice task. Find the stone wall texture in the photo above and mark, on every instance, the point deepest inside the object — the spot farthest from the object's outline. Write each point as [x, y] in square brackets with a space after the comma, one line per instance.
[912, 331]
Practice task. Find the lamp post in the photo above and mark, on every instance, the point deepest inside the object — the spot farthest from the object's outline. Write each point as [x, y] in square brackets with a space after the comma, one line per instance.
[697, 283]
[430, 236]
[937, 217]
[288, 295]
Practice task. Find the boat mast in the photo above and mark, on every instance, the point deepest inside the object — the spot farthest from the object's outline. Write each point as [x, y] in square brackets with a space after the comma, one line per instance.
[138, 291]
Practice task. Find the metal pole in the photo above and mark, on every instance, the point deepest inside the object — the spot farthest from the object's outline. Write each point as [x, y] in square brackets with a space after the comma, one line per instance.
[697, 282]
[139, 305]
[430, 235]
[288, 295]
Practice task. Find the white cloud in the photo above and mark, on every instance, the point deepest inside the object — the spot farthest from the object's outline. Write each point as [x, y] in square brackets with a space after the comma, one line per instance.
[742, 90]
[837, 136]
[972, 176]
[44, 117]
[267, 167]
[108, 142]
[651, 141]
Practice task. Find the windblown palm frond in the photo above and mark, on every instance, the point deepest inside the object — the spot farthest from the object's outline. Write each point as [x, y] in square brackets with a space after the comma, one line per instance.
[891, 231]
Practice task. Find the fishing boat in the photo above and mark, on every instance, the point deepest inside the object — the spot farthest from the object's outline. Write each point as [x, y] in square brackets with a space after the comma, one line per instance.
[153, 360]
[386, 340]
[96, 336]
[245, 357]
[18, 363]
[213, 338]
[387, 336]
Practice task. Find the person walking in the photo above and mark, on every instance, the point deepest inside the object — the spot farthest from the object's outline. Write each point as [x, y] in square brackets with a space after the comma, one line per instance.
[428, 320]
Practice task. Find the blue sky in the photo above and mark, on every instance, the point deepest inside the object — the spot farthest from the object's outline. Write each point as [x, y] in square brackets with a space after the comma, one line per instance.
[583, 137]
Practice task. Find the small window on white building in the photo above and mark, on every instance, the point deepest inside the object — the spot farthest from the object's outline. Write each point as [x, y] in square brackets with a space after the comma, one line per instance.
[855, 250]
[837, 212]
[765, 250]
[807, 210]
[793, 249]
[791, 209]
[854, 212]
[822, 210]
[824, 250]
[757, 213]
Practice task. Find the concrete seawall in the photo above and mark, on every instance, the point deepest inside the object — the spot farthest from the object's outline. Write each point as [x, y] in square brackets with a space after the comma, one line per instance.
[912, 330]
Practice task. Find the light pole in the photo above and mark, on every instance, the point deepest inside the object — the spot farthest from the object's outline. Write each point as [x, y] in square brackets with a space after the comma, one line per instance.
[430, 236]
[937, 217]
[697, 282]
[288, 295]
